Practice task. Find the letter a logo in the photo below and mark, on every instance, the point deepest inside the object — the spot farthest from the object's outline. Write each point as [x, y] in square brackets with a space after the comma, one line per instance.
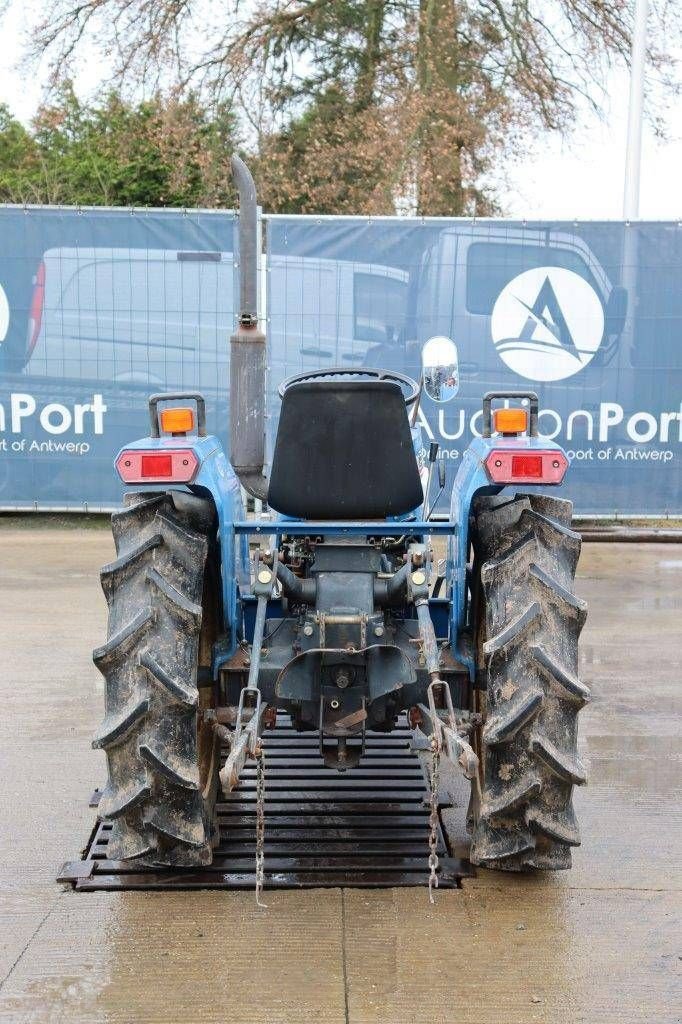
[547, 323]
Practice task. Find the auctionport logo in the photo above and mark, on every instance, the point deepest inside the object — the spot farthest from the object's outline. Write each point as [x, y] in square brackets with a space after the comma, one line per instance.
[547, 323]
[4, 314]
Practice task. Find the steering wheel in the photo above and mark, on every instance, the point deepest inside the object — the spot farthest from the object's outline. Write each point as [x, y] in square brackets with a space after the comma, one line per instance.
[413, 389]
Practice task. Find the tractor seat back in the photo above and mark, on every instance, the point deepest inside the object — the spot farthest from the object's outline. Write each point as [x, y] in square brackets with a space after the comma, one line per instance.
[344, 451]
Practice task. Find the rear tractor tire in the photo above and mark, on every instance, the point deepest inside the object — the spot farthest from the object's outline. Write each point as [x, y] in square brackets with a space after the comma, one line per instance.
[525, 558]
[162, 750]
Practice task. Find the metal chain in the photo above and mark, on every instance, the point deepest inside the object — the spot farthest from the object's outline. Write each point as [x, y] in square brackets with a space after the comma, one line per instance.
[433, 818]
[260, 823]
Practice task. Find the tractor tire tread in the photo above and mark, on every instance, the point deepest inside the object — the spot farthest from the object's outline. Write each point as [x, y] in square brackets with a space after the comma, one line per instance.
[527, 555]
[149, 663]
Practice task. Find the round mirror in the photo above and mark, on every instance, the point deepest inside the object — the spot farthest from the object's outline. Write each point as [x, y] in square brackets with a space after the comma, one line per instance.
[441, 368]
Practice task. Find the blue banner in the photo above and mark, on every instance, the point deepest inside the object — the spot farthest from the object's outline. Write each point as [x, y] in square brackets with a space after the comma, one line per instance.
[587, 315]
[98, 308]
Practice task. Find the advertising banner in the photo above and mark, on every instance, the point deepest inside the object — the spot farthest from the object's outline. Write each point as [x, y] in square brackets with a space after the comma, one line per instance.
[100, 308]
[589, 316]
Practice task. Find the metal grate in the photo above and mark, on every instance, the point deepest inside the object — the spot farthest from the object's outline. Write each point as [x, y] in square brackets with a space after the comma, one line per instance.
[366, 828]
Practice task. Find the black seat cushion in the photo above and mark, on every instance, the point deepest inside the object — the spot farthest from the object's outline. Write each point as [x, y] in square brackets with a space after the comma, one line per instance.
[344, 451]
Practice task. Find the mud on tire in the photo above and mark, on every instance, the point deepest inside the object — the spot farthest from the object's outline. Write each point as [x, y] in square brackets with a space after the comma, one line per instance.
[162, 760]
[525, 555]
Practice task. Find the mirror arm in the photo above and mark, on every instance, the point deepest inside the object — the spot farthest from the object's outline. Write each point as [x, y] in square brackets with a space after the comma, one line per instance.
[433, 455]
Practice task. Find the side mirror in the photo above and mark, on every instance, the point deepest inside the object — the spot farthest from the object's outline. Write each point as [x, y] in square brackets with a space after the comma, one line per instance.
[440, 368]
[441, 474]
[616, 312]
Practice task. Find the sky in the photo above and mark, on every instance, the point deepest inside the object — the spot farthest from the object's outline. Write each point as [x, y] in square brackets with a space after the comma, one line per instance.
[579, 176]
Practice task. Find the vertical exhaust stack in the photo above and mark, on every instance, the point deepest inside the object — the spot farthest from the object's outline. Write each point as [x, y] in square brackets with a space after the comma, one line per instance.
[247, 350]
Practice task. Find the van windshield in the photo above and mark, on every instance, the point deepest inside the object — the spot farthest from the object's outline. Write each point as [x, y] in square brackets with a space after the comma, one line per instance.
[491, 266]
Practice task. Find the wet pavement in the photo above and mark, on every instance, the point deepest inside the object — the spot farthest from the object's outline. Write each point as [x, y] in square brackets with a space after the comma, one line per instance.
[598, 944]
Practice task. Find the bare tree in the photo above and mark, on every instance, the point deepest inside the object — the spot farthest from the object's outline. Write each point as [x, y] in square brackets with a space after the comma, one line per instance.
[360, 103]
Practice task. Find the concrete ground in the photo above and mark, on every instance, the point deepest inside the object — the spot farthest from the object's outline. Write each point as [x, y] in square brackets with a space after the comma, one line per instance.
[598, 944]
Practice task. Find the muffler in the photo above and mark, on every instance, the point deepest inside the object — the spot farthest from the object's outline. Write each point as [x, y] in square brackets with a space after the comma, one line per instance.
[247, 350]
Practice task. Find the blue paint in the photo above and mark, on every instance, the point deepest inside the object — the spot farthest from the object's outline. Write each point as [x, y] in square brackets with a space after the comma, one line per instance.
[373, 528]
[472, 479]
[216, 478]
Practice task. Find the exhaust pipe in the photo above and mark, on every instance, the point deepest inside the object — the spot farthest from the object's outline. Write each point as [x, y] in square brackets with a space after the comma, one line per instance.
[247, 350]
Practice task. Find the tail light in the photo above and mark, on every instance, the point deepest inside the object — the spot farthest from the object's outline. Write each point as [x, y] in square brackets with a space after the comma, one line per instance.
[510, 421]
[176, 421]
[173, 466]
[35, 315]
[505, 466]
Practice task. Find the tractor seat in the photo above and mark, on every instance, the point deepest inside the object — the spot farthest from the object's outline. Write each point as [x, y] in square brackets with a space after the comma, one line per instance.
[344, 451]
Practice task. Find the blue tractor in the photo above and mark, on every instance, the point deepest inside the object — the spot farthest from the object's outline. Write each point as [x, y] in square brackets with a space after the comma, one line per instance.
[334, 610]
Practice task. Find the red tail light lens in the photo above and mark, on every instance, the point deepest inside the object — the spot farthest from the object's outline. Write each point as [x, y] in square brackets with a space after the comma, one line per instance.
[504, 466]
[177, 466]
[35, 316]
[157, 466]
[527, 465]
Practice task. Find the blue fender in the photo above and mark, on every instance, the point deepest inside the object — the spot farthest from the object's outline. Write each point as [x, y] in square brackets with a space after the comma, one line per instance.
[472, 479]
[216, 478]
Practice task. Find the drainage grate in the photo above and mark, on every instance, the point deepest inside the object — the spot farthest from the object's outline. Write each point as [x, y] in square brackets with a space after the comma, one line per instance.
[366, 828]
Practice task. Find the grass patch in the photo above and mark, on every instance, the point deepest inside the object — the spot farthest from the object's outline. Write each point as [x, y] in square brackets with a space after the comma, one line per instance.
[54, 521]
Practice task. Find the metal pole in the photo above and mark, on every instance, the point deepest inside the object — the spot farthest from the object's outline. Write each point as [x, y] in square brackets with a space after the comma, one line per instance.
[633, 152]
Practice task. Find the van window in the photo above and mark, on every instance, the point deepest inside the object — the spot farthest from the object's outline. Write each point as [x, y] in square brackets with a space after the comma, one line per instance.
[491, 266]
[379, 306]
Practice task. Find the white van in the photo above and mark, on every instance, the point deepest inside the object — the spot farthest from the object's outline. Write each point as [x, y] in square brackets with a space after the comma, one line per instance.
[163, 317]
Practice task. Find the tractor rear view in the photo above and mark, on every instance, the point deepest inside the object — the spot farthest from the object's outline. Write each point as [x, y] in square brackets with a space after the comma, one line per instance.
[334, 611]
